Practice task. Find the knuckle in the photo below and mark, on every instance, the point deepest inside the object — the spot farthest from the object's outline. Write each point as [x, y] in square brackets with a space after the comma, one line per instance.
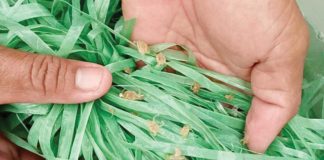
[45, 73]
[292, 103]
[295, 105]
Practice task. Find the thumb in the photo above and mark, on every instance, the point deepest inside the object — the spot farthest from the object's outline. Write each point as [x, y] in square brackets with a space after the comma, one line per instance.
[32, 78]
[276, 84]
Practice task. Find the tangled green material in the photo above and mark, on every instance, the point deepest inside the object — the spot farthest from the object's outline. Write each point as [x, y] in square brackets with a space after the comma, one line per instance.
[164, 115]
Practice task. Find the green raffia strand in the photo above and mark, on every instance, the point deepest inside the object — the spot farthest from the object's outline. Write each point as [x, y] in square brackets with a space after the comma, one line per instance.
[116, 128]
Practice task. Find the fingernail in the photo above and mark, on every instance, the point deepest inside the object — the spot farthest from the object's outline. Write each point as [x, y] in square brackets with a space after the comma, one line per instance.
[89, 78]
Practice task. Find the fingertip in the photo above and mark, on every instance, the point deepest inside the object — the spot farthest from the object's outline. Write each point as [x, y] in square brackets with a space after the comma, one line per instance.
[96, 80]
[84, 82]
[253, 138]
[264, 122]
[105, 83]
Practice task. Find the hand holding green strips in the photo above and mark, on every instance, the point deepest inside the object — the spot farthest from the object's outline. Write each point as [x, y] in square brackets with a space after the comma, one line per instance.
[264, 42]
[46, 79]
[261, 41]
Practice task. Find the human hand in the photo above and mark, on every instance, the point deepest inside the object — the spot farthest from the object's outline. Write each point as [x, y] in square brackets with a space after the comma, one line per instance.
[32, 78]
[264, 42]
[9, 151]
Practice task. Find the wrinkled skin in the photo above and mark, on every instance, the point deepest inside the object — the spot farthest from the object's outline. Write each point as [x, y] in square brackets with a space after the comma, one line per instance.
[263, 41]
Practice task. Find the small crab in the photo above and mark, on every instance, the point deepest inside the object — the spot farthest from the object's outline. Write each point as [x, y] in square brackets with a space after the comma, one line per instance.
[142, 47]
[111, 110]
[195, 87]
[153, 127]
[131, 95]
[160, 59]
[244, 141]
[184, 131]
[229, 97]
[127, 70]
[177, 155]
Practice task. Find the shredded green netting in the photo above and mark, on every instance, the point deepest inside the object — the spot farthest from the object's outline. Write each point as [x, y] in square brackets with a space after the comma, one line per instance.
[148, 114]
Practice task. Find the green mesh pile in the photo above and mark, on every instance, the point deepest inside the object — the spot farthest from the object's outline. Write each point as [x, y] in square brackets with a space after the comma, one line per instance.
[148, 114]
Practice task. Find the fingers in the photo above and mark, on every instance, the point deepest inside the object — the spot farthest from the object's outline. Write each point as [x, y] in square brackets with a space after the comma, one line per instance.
[276, 84]
[152, 19]
[32, 78]
[7, 150]
[265, 121]
[276, 100]
[26, 155]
